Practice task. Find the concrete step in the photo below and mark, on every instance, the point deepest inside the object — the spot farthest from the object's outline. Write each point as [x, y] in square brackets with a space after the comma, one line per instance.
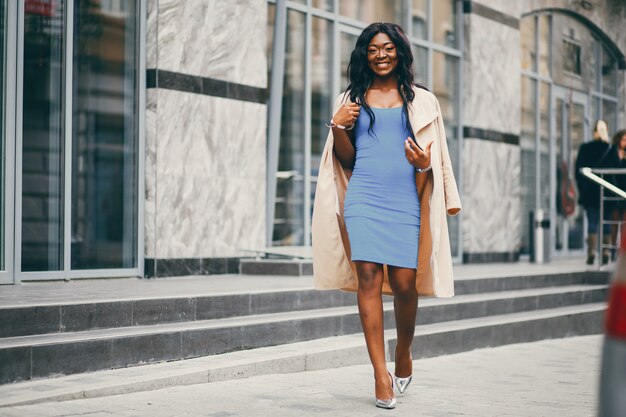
[430, 340]
[67, 315]
[40, 356]
[293, 267]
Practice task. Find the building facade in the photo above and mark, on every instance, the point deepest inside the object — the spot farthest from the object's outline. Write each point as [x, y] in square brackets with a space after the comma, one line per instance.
[168, 137]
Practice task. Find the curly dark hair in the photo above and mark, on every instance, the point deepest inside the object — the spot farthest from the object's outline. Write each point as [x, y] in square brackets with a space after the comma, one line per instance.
[617, 137]
[360, 75]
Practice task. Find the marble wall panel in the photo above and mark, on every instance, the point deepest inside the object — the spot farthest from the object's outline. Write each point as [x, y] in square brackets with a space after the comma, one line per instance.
[491, 95]
[492, 197]
[152, 12]
[204, 217]
[150, 173]
[214, 38]
[211, 136]
[211, 176]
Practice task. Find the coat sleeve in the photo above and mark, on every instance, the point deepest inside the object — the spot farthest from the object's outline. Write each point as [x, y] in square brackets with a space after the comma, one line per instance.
[453, 201]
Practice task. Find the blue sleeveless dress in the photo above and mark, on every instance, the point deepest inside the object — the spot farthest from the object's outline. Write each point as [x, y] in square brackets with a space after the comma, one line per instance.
[382, 208]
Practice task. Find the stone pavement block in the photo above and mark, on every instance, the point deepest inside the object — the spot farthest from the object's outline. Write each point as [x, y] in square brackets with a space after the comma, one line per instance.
[71, 358]
[27, 321]
[279, 365]
[80, 317]
[516, 380]
[19, 364]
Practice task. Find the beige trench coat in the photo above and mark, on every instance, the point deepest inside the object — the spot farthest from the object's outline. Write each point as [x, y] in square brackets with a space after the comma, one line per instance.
[438, 195]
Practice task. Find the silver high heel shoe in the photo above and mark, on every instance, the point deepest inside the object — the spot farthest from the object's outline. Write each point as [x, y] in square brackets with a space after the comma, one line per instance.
[403, 383]
[391, 402]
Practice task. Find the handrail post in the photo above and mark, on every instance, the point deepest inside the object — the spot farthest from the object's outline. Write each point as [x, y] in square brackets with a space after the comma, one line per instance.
[600, 226]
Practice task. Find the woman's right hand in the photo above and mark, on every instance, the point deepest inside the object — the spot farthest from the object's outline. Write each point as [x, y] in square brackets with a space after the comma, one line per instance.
[347, 114]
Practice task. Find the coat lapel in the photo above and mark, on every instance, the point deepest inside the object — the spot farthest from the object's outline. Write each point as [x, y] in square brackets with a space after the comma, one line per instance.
[421, 113]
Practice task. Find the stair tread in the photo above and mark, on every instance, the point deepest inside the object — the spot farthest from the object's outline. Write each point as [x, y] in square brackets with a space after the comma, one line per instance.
[108, 382]
[120, 332]
[40, 294]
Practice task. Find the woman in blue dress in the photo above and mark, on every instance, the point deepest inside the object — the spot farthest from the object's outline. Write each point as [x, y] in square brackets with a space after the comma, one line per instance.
[382, 210]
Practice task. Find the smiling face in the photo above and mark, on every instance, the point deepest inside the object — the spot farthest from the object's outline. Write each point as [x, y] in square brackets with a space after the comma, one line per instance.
[382, 55]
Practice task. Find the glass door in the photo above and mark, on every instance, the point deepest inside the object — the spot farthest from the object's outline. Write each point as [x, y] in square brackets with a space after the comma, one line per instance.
[571, 129]
[77, 140]
[8, 33]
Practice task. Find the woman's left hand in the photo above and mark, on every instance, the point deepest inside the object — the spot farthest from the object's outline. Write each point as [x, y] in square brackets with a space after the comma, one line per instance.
[417, 157]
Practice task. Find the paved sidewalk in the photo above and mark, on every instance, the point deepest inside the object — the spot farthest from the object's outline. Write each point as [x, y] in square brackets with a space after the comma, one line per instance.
[547, 378]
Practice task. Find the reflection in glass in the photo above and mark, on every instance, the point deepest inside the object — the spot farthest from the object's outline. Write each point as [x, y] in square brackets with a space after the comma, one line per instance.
[420, 64]
[321, 100]
[347, 42]
[529, 164]
[573, 57]
[560, 130]
[446, 89]
[527, 34]
[444, 22]
[289, 213]
[3, 22]
[544, 44]
[324, 4]
[419, 20]
[609, 73]
[577, 137]
[609, 115]
[372, 10]
[104, 154]
[42, 139]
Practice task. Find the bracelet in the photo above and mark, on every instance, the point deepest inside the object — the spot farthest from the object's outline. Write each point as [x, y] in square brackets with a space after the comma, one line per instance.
[422, 170]
[333, 124]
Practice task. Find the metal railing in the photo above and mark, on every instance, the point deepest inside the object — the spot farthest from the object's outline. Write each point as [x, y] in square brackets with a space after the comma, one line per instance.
[597, 175]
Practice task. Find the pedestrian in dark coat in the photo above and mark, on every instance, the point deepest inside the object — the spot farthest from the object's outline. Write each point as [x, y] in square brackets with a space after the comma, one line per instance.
[590, 155]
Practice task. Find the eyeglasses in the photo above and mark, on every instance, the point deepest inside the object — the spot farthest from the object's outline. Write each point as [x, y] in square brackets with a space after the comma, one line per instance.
[375, 51]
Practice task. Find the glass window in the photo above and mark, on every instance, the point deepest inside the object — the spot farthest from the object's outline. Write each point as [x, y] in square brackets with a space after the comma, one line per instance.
[573, 57]
[372, 10]
[445, 71]
[289, 207]
[444, 22]
[324, 4]
[420, 64]
[609, 115]
[419, 19]
[321, 100]
[609, 73]
[347, 41]
[529, 165]
[104, 154]
[544, 44]
[577, 127]
[527, 34]
[43, 138]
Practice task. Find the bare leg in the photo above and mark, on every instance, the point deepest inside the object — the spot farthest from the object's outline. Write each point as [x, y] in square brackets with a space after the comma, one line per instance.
[402, 281]
[370, 302]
